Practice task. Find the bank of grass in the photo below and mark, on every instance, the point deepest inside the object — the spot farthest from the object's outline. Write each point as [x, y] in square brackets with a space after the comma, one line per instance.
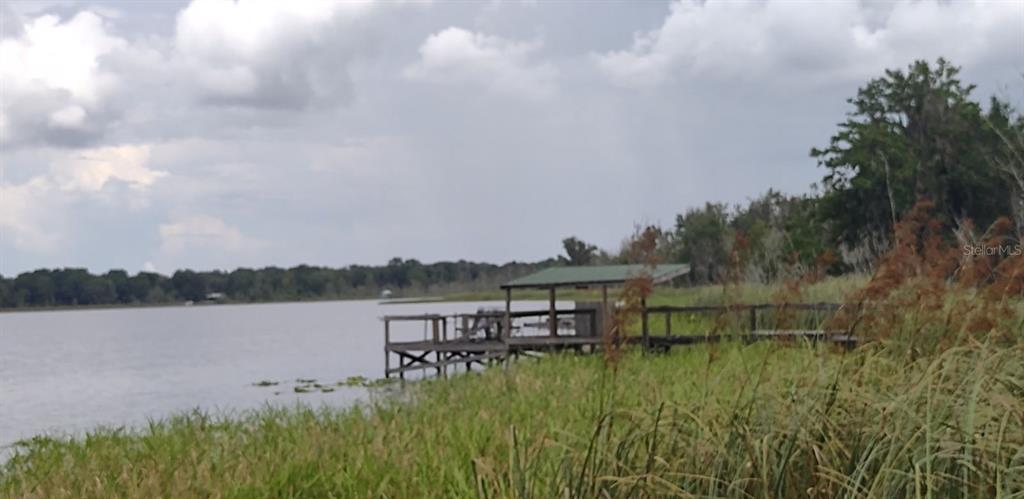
[728, 420]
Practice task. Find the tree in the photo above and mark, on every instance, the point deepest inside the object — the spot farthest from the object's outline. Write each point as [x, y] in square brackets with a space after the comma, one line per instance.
[579, 252]
[781, 234]
[189, 285]
[1009, 160]
[701, 239]
[36, 287]
[911, 135]
[145, 286]
[97, 290]
[119, 279]
[8, 299]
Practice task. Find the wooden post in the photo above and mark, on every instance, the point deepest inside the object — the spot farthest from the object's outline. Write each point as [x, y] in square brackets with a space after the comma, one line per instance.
[753, 318]
[643, 324]
[508, 315]
[604, 307]
[435, 335]
[387, 343]
[552, 316]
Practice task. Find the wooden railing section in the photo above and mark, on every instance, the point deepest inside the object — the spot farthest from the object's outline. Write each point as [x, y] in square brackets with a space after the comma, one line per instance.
[487, 336]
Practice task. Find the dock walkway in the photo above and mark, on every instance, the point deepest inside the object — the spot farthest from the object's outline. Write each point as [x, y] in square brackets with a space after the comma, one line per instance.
[465, 343]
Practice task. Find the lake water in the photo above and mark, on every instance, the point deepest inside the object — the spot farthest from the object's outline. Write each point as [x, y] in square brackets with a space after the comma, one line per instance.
[73, 370]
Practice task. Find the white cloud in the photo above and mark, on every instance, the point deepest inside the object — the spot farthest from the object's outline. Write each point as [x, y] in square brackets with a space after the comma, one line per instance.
[53, 80]
[204, 233]
[34, 214]
[267, 52]
[91, 169]
[459, 56]
[844, 40]
[209, 91]
[25, 218]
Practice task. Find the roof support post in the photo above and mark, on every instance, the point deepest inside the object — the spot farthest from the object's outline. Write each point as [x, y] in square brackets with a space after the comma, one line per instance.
[508, 316]
[604, 307]
[387, 348]
[552, 314]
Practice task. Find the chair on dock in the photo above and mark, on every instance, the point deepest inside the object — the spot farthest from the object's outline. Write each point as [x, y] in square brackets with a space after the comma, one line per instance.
[485, 325]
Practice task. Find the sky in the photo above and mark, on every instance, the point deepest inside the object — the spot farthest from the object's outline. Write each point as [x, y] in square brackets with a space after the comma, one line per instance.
[158, 135]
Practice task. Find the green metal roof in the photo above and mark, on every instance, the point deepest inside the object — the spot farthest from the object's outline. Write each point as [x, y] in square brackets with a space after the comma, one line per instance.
[596, 274]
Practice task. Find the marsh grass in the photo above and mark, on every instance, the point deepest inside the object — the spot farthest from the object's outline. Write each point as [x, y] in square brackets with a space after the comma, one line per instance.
[725, 420]
[931, 406]
[730, 420]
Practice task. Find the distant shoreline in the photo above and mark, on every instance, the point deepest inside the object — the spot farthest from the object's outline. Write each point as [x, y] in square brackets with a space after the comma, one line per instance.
[458, 297]
[65, 308]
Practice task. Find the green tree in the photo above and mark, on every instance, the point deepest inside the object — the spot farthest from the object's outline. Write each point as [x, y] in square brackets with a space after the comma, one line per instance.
[189, 285]
[8, 298]
[701, 239]
[911, 135]
[97, 290]
[1009, 158]
[119, 279]
[579, 252]
[142, 286]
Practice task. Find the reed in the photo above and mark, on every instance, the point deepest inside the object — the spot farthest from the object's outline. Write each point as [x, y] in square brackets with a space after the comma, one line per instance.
[732, 420]
[931, 405]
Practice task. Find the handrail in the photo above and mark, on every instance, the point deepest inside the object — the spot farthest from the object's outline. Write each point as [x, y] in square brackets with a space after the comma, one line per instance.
[749, 309]
[494, 314]
[826, 306]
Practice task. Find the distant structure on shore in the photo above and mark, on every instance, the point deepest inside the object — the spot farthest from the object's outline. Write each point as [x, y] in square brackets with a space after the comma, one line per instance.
[385, 294]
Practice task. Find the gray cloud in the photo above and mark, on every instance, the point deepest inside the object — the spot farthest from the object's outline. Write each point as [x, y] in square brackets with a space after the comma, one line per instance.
[271, 54]
[55, 84]
[285, 134]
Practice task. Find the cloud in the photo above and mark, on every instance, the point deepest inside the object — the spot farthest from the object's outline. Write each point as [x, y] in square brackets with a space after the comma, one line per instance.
[836, 40]
[268, 53]
[34, 214]
[54, 81]
[91, 169]
[24, 217]
[459, 56]
[203, 232]
[242, 115]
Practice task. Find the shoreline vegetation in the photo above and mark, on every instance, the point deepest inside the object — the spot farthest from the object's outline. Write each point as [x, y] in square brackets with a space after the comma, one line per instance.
[932, 405]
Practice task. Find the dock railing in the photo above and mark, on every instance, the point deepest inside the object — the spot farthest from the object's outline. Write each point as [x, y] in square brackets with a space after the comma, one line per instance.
[752, 321]
[481, 337]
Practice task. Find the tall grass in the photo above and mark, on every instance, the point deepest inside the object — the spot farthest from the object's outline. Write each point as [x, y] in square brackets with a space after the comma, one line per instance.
[759, 420]
[932, 406]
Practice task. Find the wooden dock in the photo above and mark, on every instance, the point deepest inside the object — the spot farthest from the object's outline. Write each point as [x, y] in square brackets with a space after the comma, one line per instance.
[487, 337]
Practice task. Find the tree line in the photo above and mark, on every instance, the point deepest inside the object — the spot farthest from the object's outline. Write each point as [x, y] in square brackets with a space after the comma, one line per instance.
[911, 134]
[76, 286]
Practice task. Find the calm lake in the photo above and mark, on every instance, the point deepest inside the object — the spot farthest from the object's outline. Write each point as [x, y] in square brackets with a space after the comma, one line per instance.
[73, 370]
